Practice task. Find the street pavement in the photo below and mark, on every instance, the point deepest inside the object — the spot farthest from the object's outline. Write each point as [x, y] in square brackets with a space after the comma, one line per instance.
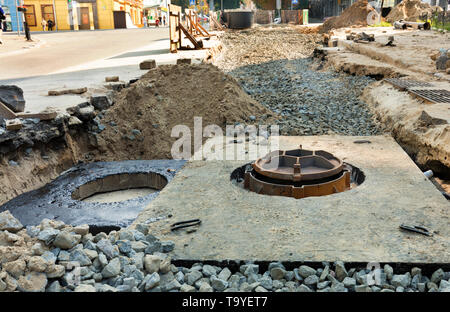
[84, 59]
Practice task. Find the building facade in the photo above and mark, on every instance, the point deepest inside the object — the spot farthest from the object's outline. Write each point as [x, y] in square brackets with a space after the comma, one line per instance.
[79, 14]
[13, 20]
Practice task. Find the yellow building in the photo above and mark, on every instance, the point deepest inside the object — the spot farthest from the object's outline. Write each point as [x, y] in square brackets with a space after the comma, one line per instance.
[84, 14]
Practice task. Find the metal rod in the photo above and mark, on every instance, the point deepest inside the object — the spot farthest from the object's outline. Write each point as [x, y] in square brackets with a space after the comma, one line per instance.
[54, 15]
[17, 17]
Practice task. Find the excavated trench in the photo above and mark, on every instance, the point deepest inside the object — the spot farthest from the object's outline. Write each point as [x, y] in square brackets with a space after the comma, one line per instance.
[292, 92]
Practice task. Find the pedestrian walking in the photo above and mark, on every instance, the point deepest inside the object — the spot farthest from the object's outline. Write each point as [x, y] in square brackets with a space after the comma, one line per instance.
[44, 24]
[50, 24]
[164, 20]
[144, 20]
[2, 18]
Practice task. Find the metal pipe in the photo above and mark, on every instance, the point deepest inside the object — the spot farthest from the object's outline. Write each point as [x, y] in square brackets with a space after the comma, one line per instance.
[17, 17]
[54, 15]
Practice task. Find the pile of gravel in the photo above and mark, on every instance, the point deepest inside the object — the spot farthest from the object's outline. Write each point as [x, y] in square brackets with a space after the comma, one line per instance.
[56, 257]
[272, 65]
[310, 102]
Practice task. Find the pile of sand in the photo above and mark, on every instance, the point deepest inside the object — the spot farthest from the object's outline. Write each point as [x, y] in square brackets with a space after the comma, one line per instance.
[355, 15]
[140, 123]
[411, 10]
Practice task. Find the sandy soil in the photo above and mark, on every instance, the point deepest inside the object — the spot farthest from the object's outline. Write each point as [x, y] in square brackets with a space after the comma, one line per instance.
[172, 95]
[411, 55]
[356, 15]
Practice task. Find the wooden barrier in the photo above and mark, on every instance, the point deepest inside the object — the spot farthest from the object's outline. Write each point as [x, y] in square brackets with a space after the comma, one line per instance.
[192, 24]
[174, 30]
[214, 23]
[177, 29]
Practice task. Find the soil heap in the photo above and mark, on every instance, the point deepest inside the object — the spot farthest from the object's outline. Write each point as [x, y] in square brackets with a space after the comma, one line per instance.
[140, 123]
[411, 10]
[355, 15]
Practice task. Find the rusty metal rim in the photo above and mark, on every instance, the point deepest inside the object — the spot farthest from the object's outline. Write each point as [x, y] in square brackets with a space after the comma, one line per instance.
[340, 184]
[296, 174]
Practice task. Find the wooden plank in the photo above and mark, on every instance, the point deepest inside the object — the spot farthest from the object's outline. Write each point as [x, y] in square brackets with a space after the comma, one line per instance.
[174, 31]
[41, 115]
[204, 30]
[6, 112]
[13, 124]
[197, 44]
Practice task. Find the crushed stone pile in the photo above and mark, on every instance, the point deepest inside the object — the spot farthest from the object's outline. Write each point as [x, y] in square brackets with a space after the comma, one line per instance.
[355, 15]
[140, 123]
[56, 257]
[272, 64]
[411, 10]
[264, 44]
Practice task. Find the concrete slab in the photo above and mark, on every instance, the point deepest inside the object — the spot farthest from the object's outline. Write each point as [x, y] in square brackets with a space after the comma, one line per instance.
[359, 225]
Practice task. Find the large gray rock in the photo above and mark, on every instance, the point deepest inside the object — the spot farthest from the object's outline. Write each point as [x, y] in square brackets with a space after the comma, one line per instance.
[32, 282]
[403, 280]
[66, 240]
[80, 257]
[100, 102]
[9, 223]
[209, 270]
[107, 248]
[437, 276]
[341, 272]
[277, 273]
[151, 280]
[48, 235]
[54, 287]
[112, 269]
[218, 284]
[224, 274]
[444, 286]
[311, 280]
[266, 282]
[12, 96]
[193, 276]
[306, 271]
[389, 271]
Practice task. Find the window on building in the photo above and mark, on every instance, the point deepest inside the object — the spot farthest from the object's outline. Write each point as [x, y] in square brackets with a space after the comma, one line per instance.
[30, 15]
[47, 12]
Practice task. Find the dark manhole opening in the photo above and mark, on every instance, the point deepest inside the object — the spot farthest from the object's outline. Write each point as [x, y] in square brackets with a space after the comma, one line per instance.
[141, 183]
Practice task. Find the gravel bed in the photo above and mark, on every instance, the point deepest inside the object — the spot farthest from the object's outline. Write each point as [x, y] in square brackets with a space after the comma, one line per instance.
[273, 66]
[54, 257]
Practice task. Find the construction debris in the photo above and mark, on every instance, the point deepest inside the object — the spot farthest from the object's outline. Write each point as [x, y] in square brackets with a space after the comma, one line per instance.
[411, 10]
[67, 91]
[12, 97]
[361, 37]
[147, 64]
[13, 124]
[355, 15]
[112, 79]
[172, 95]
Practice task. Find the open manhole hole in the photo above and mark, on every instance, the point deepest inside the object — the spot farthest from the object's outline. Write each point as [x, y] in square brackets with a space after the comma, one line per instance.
[120, 187]
[298, 173]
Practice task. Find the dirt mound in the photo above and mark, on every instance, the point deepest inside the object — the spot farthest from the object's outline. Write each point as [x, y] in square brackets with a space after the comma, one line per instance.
[355, 15]
[410, 10]
[140, 123]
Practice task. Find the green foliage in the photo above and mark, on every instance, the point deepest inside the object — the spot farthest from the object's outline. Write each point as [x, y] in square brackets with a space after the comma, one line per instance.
[382, 24]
